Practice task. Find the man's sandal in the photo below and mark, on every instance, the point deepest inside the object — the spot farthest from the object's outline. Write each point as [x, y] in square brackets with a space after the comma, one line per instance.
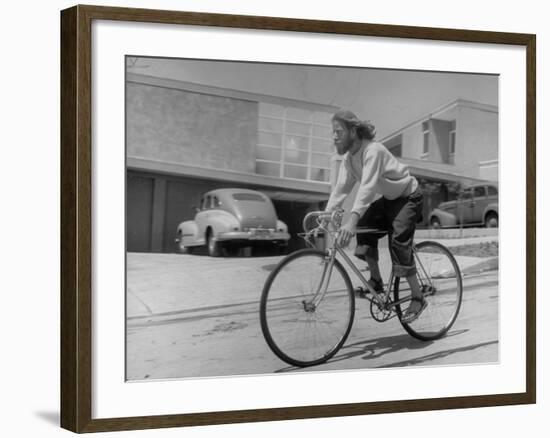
[408, 317]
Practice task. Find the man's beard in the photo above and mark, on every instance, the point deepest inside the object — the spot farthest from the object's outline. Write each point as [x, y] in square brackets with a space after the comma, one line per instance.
[343, 148]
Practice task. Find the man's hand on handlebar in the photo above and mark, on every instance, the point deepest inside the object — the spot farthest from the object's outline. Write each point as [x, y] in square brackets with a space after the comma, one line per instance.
[348, 230]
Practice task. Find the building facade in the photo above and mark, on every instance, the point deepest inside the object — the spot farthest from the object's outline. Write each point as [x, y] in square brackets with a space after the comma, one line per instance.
[183, 139]
[453, 146]
[460, 138]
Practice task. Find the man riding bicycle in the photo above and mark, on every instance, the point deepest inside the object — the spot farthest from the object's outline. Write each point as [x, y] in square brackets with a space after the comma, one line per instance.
[396, 211]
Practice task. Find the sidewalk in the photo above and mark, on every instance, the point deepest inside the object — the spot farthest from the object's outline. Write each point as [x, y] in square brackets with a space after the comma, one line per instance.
[456, 233]
[172, 284]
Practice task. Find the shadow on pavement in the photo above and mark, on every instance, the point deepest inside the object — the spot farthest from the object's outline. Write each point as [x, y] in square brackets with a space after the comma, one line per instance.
[438, 355]
[376, 348]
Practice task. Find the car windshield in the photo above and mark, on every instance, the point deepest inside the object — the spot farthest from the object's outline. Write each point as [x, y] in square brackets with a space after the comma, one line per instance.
[248, 197]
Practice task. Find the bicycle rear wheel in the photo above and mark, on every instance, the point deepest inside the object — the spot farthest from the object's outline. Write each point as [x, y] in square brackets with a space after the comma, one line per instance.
[299, 330]
[441, 283]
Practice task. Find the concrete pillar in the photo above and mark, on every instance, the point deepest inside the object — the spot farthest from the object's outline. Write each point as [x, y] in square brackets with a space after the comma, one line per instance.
[159, 209]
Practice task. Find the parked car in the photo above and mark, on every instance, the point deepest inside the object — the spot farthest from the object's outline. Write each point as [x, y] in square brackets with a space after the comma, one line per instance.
[230, 219]
[476, 205]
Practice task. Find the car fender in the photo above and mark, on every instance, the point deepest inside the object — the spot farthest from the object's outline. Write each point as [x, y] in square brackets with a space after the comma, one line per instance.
[491, 208]
[189, 231]
[282, 226]
[445, 218]
[220, 221]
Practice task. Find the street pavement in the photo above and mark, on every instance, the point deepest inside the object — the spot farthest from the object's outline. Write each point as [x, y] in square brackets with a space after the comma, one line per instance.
[197, 316]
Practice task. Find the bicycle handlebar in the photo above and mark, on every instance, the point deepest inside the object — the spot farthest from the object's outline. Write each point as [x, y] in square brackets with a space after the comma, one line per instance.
[332, 217]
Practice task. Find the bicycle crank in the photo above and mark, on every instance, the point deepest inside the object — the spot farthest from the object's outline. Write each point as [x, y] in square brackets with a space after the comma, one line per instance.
[379, 313]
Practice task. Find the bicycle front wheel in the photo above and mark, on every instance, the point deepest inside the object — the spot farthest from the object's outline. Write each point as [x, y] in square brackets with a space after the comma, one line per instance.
[441, 283]
[303, 322]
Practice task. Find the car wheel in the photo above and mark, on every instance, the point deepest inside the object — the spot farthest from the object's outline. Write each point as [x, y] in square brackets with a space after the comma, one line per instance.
[214, 249]
[435, 223]
[491, 220]
[181, 247]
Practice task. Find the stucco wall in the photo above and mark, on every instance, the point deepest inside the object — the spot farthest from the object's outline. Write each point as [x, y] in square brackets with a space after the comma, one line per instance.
[191, 128]
[489, 172]
[412, 142]
[476, 139]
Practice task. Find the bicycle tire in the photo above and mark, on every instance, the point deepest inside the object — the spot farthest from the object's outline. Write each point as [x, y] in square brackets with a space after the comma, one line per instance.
[299, 337]
[444, 301]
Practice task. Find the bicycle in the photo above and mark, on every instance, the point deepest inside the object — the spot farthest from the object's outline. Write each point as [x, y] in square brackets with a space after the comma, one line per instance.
[307, 305]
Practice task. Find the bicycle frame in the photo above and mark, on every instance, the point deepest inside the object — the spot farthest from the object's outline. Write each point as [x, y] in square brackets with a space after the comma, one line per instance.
[383, 300]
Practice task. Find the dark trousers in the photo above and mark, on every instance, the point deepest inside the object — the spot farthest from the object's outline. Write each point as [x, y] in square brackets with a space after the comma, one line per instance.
[397, 218]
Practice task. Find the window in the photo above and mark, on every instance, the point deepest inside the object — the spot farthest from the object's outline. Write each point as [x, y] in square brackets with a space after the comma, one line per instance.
[492, 191]
[452, 142]
[217, 202]
[268, 168]
[479, 192]
[295, 172]
[318, 174]
[206, 202]
[294, 143]
[248, 197]
[426, 139]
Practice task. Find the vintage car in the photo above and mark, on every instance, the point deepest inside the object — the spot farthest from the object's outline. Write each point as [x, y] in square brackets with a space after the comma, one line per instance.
[476, 205]
[229, 219]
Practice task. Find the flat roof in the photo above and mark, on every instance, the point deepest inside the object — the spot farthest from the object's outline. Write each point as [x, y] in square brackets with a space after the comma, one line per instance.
[440, 110]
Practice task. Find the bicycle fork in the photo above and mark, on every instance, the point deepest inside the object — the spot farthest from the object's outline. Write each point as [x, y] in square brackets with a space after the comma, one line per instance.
[321, 290]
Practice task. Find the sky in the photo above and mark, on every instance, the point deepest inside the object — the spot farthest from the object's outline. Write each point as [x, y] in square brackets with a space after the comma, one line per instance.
[390, 99]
